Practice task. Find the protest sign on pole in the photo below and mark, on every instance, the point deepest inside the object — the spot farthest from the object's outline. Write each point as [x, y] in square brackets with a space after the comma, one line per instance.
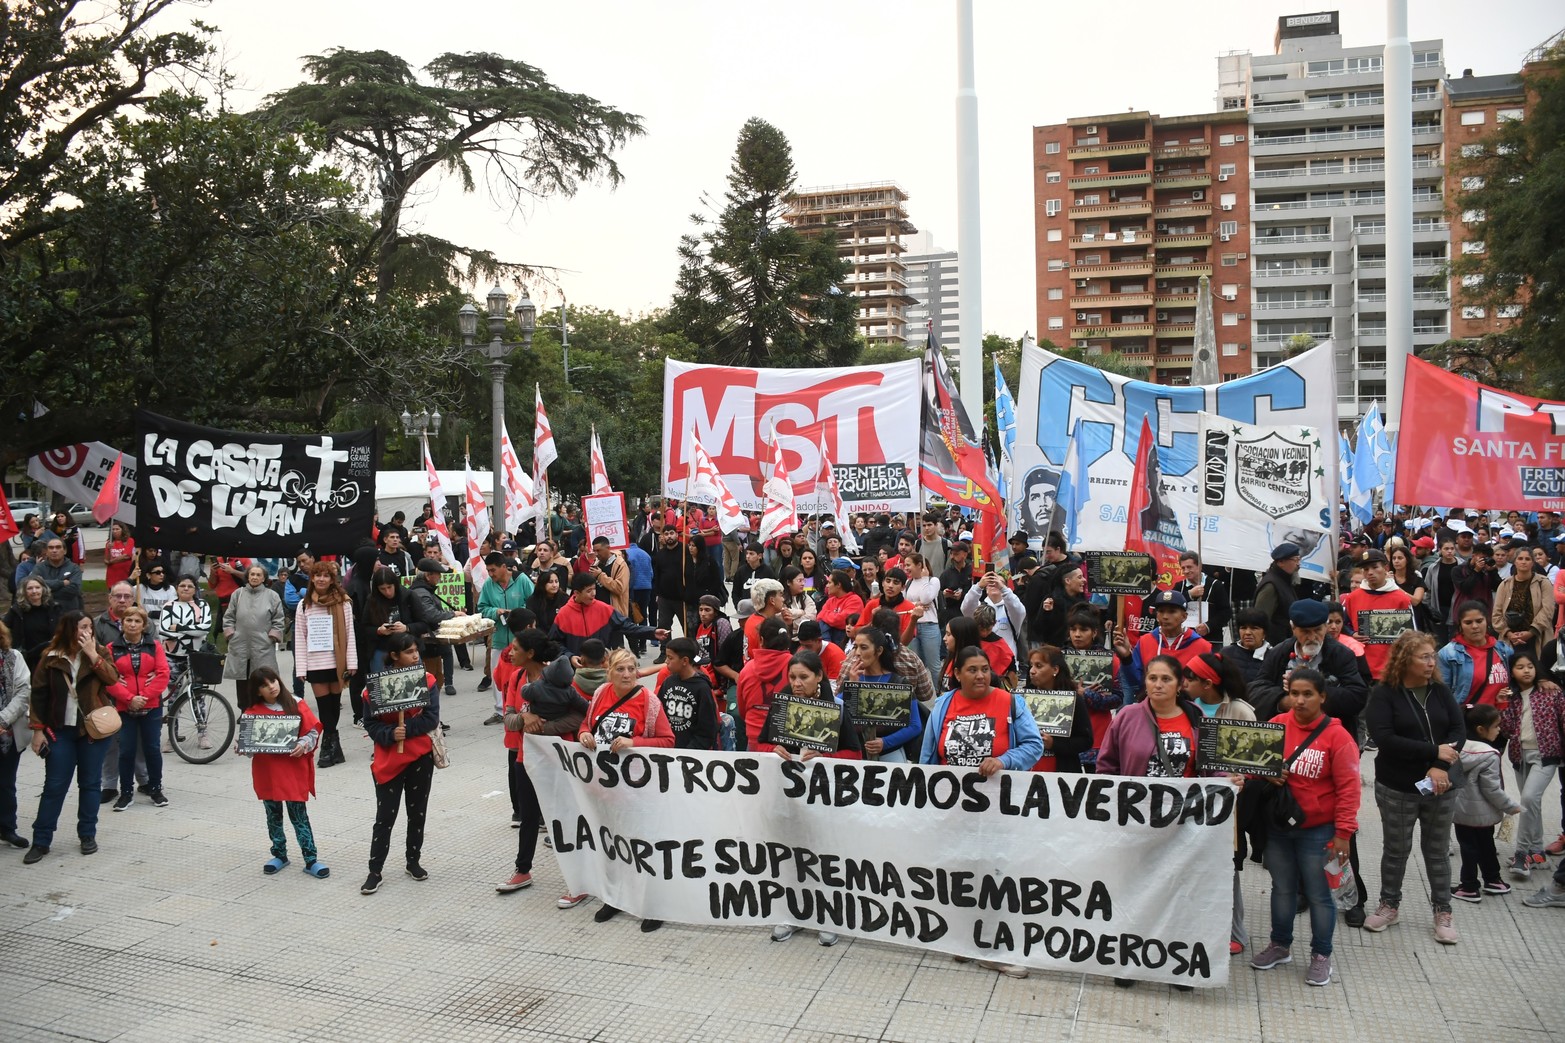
[867, 416]
[1059, 881]
[1059, 398]
[1265, 474]
[603, 514]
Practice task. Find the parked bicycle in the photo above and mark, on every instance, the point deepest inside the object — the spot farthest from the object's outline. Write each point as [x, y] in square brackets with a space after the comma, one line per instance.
[200, 720]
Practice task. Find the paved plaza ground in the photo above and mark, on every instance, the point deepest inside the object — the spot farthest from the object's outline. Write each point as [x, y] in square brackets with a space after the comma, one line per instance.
[171, 932]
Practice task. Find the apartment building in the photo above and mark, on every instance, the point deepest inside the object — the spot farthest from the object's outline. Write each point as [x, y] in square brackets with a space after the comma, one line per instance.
[1475, 106]
[1317, 134]
[871, 222]
[932, 282]
[1132, 209]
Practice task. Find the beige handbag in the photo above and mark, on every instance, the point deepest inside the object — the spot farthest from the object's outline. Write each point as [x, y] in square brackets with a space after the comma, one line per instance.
[102, 722]
[437, 741]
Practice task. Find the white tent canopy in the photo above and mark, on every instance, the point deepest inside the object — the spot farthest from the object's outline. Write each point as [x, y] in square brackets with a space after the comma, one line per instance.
[408, 491]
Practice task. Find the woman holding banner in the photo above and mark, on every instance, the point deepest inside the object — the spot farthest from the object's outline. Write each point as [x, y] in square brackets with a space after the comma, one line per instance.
[1156, 738]
[876, 665]
[807, 680]
[624, 715]
[980, 726]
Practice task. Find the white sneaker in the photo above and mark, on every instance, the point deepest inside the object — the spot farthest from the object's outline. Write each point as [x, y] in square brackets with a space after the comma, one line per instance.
[827, 939]
[782, 932]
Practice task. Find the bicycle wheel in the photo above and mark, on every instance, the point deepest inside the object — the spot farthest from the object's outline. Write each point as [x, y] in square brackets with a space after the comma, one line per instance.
[200, 725]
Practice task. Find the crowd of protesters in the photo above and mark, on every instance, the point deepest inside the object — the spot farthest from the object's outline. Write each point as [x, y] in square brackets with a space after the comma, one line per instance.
[1461, 680]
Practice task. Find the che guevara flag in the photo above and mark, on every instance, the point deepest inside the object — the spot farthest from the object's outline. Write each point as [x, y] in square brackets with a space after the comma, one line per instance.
[952, 462]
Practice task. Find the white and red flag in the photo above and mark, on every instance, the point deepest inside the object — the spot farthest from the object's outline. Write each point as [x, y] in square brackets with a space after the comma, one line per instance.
[834, 501]
[706, 483]
[520, 504]
[781, 515]
[600, 473]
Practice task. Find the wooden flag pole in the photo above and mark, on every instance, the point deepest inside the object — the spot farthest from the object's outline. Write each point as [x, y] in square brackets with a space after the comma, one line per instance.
[401, 718]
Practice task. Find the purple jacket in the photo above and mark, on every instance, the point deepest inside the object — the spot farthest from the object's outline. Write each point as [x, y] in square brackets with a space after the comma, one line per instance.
[1131, 741]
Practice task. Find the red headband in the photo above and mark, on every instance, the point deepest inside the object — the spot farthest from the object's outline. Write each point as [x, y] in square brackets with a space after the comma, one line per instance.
[1202, 669]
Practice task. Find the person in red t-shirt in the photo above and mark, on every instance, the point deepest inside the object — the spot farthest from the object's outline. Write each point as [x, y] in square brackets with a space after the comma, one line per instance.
[892, 584]
[810, 640]
[226, 576]
[1379, 593]
[1324, 778]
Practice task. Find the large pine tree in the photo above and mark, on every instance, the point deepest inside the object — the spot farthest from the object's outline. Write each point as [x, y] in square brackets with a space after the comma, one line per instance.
[752, 291]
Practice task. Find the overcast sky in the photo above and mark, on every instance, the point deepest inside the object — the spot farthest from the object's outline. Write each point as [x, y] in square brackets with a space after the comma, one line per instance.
[864, 90]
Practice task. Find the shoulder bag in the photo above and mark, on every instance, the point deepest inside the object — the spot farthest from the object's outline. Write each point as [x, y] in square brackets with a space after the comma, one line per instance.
[1286, 812]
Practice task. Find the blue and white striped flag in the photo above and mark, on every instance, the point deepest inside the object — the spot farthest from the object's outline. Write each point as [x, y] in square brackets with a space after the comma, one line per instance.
[1005, 425]
[1075, 492]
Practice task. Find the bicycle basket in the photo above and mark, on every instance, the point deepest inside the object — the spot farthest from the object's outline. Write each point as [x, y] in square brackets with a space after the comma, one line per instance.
[206, 667]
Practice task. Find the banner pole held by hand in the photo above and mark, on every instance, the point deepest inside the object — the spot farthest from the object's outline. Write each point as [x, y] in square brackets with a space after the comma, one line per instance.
[401, 717]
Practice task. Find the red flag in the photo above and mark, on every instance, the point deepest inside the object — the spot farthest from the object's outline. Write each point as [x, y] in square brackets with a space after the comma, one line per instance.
[8, 526]
[952, 462]
[1152, 526]
[108, 500]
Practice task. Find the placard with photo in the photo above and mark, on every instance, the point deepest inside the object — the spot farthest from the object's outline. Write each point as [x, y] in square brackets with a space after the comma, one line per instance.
[879, 704]
[1382, 626]
[1054, 711]
[397, 691]
[804, 724]
[1120, 572]
[1093, 667]
[268, 732]
[1242, 747]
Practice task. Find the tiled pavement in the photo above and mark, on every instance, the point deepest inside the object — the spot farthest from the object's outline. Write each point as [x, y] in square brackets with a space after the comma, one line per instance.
[171, 932]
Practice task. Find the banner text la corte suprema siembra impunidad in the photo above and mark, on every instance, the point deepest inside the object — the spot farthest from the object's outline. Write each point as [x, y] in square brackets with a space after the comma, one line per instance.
[1122, 877]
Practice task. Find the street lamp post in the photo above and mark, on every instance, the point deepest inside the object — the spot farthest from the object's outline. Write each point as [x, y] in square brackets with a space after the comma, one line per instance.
[422, 425]
[498, 351]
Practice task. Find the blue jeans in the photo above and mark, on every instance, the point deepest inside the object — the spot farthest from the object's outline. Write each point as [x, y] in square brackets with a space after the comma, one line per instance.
[70, 755]
[143, 730]
[928, 645]
[1296, 858]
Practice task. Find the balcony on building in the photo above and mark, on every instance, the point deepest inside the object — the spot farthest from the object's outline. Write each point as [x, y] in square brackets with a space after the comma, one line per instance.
[1128, 179]
[1192, 179]
[1112, 270]
[1172, 269]
[1169, 242]
[1111, 300]
[1110, 330]
[1092, 147]
[1122, 208]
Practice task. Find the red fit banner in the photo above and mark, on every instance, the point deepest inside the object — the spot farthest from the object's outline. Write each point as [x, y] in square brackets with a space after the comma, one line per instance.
[1467, 443]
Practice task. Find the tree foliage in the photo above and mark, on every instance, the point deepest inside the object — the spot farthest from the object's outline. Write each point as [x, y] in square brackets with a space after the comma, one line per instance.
[1520, 191]
[61, 77]
[751, 290]
[475, 115]
[204, 270]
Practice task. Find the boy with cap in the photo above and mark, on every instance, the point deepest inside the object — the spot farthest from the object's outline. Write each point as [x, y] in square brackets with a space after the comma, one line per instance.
[1171, 637]
[1379, 593]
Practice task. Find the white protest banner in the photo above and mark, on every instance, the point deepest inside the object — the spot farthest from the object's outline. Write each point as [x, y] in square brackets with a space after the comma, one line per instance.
[1264, 474]
[868, 417]
[1056, 393]
[1128, 878]
[77, 472]
[603, 514]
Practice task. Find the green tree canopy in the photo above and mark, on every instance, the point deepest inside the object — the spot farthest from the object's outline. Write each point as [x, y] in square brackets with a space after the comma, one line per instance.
[526, 136]
[753, 291]
[1519, 191]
